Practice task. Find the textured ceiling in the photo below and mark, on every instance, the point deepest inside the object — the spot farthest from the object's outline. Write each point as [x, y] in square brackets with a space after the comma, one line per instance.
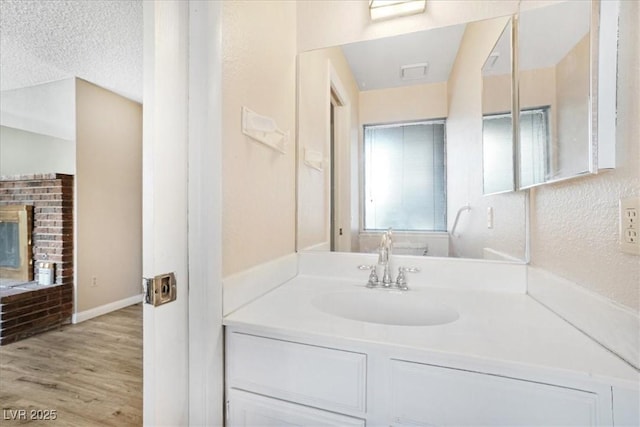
[97, 40]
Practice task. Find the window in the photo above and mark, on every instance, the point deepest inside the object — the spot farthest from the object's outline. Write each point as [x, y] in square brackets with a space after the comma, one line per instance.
[404, 176]
[534, 146]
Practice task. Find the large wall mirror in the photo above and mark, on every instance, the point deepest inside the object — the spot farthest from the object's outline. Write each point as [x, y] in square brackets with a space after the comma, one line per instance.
[390, 134]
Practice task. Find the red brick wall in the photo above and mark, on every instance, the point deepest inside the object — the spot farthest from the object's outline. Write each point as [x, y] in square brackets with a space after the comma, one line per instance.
[51, 196]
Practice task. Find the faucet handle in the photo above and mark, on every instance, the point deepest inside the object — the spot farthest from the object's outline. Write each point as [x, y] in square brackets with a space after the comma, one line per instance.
[401, 281]
[373, 276]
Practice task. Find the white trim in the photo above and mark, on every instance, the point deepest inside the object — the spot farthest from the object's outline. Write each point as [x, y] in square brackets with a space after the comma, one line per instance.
[615, 327]
[607, 79]
[320, 247]
[341, 168]
[242, 288]
[206, 374]
[104, 309]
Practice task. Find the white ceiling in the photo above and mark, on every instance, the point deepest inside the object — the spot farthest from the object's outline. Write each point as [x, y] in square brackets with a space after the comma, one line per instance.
[98, 40]
[546, 35]
[375, 64]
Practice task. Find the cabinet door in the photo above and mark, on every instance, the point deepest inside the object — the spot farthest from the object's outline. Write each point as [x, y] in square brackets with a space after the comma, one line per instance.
[429, 395]
[250, 410]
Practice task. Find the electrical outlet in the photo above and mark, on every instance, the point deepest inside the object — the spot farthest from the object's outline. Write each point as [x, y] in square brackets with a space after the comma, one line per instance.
[629, 230]
[94, 282]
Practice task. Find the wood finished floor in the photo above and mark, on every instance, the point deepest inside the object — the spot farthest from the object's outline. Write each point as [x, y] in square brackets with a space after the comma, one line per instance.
[89, 373]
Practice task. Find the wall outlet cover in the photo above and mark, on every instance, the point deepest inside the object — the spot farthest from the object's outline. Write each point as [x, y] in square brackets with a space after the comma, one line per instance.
[629, 225]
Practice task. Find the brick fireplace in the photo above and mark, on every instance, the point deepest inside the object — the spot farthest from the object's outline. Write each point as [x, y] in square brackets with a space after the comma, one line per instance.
[27, 309]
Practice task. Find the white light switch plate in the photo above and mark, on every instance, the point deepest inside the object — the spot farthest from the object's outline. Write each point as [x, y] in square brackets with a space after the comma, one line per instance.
[630, 225]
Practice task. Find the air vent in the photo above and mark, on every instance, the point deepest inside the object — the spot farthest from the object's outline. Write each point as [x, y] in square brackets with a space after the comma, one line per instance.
[414, 71]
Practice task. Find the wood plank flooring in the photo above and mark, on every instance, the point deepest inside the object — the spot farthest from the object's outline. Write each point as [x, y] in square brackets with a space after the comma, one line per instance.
[90, 374]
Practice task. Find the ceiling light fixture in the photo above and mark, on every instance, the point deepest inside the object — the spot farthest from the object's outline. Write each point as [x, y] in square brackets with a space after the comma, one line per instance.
[385, 9]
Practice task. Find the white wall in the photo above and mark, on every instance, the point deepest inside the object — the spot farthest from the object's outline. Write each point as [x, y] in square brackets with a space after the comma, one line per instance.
[23, 152]
[48, 109]
[574, 226]
[38, 126]
[259, 72]
[108, 197]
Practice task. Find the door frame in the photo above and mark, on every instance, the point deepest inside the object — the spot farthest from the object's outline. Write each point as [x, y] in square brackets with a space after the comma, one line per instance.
[182, 340]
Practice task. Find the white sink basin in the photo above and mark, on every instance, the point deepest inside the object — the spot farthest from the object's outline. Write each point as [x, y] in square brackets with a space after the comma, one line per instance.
[385, 307]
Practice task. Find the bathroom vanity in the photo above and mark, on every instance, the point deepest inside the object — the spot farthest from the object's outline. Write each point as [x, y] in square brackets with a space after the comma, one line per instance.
[300, 356]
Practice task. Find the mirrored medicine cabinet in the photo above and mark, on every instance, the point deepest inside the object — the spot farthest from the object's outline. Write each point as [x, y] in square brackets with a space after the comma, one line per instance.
[559, 74]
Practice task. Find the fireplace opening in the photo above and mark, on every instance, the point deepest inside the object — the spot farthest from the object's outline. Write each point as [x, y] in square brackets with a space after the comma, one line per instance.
[16, 252]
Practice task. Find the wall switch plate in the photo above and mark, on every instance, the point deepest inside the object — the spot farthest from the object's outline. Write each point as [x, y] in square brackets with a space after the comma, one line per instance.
[490, 217]
[629, 225]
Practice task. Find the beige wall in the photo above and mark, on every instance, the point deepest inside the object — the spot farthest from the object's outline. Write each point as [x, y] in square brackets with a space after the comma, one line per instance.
[574, 226]
[314, 82]
[572, 110]
[331, 23]
[418, 102]
[23, 152]
[108, 197]
[464, 154]
[259, 72]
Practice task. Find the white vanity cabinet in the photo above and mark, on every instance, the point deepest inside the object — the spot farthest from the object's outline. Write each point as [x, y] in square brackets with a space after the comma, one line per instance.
[307, 381]
[428, 395]
[275, 381]
[253, 410]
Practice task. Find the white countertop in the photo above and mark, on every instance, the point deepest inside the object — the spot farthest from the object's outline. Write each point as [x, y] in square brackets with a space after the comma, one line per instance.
[495, 327]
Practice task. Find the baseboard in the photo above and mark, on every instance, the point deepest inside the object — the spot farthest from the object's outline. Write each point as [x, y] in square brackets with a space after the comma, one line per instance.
[242, 288]
[104, 309]
[615, 327]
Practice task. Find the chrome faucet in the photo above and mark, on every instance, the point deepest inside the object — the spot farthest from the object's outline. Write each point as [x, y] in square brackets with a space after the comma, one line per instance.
[384, 256]
[385, 251]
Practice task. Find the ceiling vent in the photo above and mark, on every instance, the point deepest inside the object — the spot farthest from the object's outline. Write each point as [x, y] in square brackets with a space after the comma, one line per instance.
[414, 71]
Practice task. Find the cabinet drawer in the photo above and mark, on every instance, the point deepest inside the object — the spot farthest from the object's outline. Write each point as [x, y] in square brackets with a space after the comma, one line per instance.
[307, 374]
[429, 395]
[251, 410]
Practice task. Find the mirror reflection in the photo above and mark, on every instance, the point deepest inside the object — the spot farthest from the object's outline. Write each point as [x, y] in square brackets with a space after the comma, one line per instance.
[390, 135]
[555, 87]
[497, 118]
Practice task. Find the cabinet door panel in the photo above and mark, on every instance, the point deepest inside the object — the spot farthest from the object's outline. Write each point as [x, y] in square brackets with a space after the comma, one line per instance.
[430, 395]
[251, 410]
